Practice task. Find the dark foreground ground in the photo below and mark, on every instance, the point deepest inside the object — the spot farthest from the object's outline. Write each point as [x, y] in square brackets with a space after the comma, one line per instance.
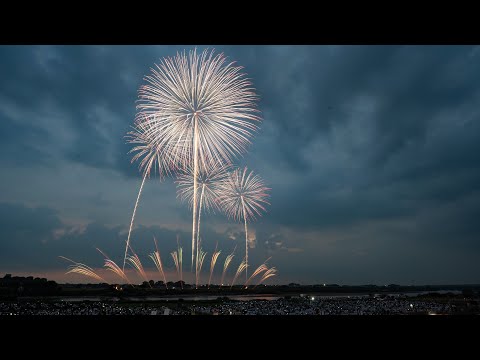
[296, 305]
[35, 296]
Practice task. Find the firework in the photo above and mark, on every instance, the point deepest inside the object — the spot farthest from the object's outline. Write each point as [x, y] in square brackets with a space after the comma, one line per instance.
[199, 264]
[152, 154]
[180, 258]
[259, 270]
[267, 274]
[155, 256]
[201, 109]
[215, 256]
[112, 266]
[137, 264]
[133, 217]
[177, 259]
[241, 267]
[207, 181]
[82, 269]
[148, 150]
[242, 197]
[228, 260]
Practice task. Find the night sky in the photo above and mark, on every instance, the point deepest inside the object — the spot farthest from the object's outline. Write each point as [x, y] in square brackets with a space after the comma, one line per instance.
[372, 154]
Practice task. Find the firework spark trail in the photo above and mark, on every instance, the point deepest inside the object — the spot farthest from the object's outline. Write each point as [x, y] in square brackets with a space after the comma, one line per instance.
[150, 152]
[112, 266]
[201, 108]
[259, 270]
[198, 227]
[149, 149]
[195, 175]
[180, 258]
[268, 274]
[177, 259]
[242, 197]
[133, 217]
[228, 260]
[82, 269]
[215, 256]
[201, 258]
[155, 256]
[137, 264]
[246, 240]
[241, 268]
[208, 181]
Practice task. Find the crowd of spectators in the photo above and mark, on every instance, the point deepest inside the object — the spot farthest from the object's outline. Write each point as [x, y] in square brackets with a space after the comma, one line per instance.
[309, 305]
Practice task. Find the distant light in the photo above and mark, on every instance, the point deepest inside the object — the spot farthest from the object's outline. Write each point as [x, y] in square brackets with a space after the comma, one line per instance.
[312, 298]
[411, 305]
[324, 284]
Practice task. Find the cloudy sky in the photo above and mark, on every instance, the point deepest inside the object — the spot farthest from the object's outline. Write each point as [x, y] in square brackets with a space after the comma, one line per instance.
[372, 154]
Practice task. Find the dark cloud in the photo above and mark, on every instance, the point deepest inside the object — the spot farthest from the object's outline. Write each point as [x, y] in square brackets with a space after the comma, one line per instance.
[35, 237]
[353, 138]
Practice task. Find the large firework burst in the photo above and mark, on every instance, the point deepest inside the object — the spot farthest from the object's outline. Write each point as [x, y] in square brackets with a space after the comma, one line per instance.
[201, 109]
[243, 196]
